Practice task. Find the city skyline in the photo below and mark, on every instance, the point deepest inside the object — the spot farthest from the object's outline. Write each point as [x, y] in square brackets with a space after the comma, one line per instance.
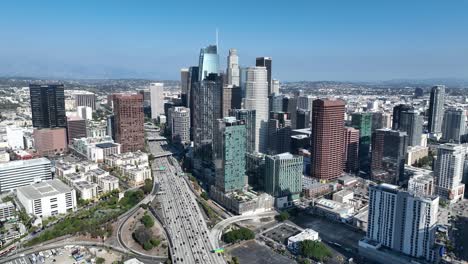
[321, 41]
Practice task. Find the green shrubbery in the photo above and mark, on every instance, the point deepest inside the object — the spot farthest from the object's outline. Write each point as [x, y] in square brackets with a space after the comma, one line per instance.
[314, 249]
[238, 235]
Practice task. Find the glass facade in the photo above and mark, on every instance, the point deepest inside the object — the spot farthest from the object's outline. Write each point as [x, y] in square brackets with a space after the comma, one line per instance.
[209, 62]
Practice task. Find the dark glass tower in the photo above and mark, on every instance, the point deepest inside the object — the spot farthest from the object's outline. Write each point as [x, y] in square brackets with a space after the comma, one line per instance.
[397, 110]
[436, 109]
[48, 105]
[265, 62]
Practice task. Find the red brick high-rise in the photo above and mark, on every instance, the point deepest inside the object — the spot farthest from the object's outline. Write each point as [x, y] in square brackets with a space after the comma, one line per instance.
[129, 121]
[327, 142]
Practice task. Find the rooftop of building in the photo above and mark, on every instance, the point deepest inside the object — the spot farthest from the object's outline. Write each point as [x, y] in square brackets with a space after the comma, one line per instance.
[107, 145]
[74, 176]
[344, 192]
[300, 137]
[63, 165]
[81, 185]
[305, 131]
[110, 178]
[24, 163]
[44, 189]
[337, 207]
[6, 204]
[96, 172]
[305, 234]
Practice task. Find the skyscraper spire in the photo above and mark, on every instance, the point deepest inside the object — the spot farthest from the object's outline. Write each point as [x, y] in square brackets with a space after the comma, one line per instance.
[216, 37]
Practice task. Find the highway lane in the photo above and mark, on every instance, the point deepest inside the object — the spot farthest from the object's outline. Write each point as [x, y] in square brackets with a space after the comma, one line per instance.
[182, 217]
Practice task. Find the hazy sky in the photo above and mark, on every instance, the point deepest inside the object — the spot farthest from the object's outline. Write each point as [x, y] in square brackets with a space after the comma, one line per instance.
[308, 40]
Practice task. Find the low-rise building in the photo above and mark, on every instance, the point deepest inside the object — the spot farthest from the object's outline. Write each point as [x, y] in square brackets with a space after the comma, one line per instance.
[415, 153]
[47, 198]
[343, 196]
[96, 149]
[334, 210]
[243, 202]
[50, 141]
[136, 174]
[307, 234]
[86, 190]
[7, 211]
[63, 168]
[108, 183]
[85, 166]
[128, 158]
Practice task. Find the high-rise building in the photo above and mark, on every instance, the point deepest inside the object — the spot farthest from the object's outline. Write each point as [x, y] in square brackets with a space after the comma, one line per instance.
[76, 128]
[454, 125]
[279, 133]
[283, 177]
[232, 98]
[19, 173]
[377, 121]
[86, 99]
[193, 79]
[303, 118]
[276, 103]
[47, 105]
[388, 156]
[157, 99]
[178, 121]
[129, 122]
[397, 110]
[233, 70]
[305, 102]
[402, 221]
[207, 108]
[209, 62]
[229, 154]
[146, 98]
[184, 86]
[248, 116]
[266, 62]
[351, 149]
[275, 86]
[436, 109]
[448, 171]
[291, 108]
[257, 99]
[411, 122]
[418, 92]
[50, 141]
[363, 122]
[85, 112]
[327, 142]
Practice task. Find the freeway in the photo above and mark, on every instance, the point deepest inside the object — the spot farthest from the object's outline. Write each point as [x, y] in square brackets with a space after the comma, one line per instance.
[182, 217]
[217, 230]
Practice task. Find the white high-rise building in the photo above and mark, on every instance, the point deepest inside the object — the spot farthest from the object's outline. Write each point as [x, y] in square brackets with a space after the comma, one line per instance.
[275, 86]
[15, 137]
[157, 99]
[179, 124]
[233, 70]
[448, 171]
[256, 98]
[402, 220]
[19, 173]
[85, 112]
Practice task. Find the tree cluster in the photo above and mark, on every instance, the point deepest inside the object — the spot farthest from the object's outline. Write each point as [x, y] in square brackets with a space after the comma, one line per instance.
[238, 235]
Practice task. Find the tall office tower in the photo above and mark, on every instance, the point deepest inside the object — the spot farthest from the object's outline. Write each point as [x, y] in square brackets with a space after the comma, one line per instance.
[232, 98]
[47, 105]
[303, 118]
[283, 178]
[436, 109]
[193, 79]
[86, 99]
[50, 141]
[256, 98]
[229, 154]
[19, 173]
[454, 125]
[397, 110]
[248, 116]
[129, 122]
[279, 133]
[327, 142]
[363, 122]
[233, 70]
[418, 92]
[184, 86]
[146, 100]
[85, 112]
[388, 156]
[207, 108]
[291, 108]
[411, 123]
[178, 122]
[275, 86]
[157, 99]
[276, 103]
[403, 221]
[209, 62]
[351, 150]
[110, 126]
[305, 102]
[266, 62]
[448, 171]
[377, 121]
[76, 128]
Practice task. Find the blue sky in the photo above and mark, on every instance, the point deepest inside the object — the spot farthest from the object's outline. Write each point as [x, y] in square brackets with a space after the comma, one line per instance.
[308, 40]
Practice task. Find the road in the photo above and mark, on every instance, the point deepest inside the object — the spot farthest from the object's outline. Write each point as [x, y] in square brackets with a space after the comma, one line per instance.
[217, 230]
[181, 216]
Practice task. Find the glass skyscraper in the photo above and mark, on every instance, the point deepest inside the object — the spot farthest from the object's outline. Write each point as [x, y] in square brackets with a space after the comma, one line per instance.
[209, 62]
